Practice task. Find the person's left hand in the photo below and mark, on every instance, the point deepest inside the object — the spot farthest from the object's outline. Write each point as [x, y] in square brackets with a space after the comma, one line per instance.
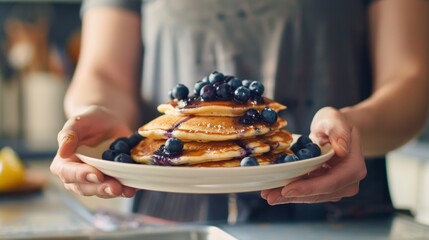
[340, 176]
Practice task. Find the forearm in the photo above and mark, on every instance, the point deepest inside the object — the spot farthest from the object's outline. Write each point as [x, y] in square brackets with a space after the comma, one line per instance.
[97, 91]
[398, 107]
[393, 115]
[108, 70]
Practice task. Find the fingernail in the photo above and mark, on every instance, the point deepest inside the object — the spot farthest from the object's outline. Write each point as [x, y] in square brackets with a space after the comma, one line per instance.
[108, 190]
[92, 178]
[343, 144]
[264, 194]
[67, 138]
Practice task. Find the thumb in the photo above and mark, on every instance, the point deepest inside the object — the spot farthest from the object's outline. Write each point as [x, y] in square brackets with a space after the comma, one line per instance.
[330, 125]
[67, 143]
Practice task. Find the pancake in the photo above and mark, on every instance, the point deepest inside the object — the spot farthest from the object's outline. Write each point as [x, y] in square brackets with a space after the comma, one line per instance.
[205, 128]
[198, 152]
[265, 159]
[216, 108]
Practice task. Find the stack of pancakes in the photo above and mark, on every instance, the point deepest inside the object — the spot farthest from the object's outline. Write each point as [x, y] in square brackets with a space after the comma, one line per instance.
[213, 134]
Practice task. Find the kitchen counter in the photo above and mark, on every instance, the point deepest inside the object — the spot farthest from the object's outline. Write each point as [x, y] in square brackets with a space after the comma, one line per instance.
[55, 214]
[399, 227]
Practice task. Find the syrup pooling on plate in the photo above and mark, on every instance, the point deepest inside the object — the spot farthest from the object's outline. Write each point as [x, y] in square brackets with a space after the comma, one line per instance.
[226, 120]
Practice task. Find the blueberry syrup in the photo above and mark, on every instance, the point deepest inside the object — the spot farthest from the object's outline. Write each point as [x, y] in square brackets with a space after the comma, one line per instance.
[245, 148]
[161, 158]
[169, 132]
[273, 145]
[193, 103]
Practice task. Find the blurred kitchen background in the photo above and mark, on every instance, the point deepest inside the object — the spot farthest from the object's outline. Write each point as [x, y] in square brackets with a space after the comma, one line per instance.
[39, 47]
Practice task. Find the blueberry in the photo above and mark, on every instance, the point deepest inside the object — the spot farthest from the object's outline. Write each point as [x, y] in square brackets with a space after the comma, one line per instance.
[249, 161]
[285, 158]
[215, 77]
[227, 78]
[304, 153]
[241, 94]
[258, 99]
[295, 148]
[121, 145]
[246, 83]
[246, 120]
[314, 149]
[180, 91]
[217, 84]
[253, 114]
[109, 155]
[291, 158]
[300, 143]
[191, 99]
[117, 140]
[268, 115]
[234, 83]
[198, 85]
[134, 139]
[303, 140]
[223, 92]
[207, 93]
[257, 88]
[280, 158]
[160, 151]
[123, 158]
[205, 79]
[174, 146]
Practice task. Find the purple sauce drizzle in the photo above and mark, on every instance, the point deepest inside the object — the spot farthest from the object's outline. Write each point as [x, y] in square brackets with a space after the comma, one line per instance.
[161, 158]
[169, 132]
[273, 145]
[245, 148]
[193, 103]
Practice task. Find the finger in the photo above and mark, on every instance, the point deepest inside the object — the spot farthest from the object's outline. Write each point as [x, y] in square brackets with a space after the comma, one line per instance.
[348, 170]
[348, 191]
[67, 143]
[271, 195]
[109, 189]
[99, 190]
[94, 121]
[73, 171]
[83, 129]
[330, 125]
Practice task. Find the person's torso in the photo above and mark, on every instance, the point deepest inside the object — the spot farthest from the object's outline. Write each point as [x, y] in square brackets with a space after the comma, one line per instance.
[308, 53]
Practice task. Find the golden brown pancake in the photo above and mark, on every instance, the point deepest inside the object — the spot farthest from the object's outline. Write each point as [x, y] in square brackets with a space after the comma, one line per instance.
[199, 152]
[205, 128]
[265, 159]
[216, 108]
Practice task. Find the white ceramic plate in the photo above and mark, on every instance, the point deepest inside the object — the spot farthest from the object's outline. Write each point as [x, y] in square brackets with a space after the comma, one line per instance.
[202, 180]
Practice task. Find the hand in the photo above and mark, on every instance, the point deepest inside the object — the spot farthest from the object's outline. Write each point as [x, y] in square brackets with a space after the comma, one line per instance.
[340, 176]
[91, 127]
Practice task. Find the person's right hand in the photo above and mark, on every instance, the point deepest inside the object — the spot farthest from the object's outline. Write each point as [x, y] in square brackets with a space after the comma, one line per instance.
[92, 126]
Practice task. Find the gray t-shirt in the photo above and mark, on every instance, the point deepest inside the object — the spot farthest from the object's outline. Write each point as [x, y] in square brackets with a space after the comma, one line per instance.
[308, 53]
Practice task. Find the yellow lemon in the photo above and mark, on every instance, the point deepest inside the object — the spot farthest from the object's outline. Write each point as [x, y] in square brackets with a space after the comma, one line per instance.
[12, 170]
